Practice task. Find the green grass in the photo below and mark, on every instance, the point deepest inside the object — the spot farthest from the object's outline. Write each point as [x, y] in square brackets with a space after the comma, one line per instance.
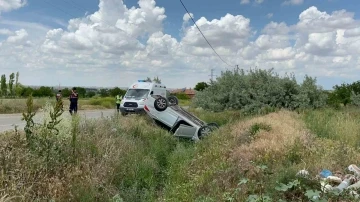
[184, 102]
[129, 158]
[341, 125]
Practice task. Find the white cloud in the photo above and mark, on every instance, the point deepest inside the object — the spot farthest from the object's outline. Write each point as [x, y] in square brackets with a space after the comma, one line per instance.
[256, 2]
[5, 32]
[18, 37]
[293, 2]
[108, 47]
[9, 5]
[229, 31]
[187, 17]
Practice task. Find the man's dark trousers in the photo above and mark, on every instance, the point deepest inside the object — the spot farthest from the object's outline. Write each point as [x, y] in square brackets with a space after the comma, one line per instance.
[73, 107]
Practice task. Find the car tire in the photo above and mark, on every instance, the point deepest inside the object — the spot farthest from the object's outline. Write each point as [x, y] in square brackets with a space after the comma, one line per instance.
[161, 104]
[207, 129]
[173, 100]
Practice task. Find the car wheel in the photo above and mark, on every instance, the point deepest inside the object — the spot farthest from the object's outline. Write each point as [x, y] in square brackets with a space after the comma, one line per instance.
[161, 104]
[173, 100]
[207, 129]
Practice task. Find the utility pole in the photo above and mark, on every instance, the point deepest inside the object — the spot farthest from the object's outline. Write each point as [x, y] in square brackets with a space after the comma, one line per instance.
[212, 75]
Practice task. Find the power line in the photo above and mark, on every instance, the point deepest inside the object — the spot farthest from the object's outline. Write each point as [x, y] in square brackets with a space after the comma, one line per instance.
[203, 34]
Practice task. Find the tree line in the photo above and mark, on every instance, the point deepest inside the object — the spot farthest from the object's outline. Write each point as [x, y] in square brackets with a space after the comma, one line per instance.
[10, 87]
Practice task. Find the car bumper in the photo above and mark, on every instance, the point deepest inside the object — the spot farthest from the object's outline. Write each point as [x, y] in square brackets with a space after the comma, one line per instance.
[130, 110]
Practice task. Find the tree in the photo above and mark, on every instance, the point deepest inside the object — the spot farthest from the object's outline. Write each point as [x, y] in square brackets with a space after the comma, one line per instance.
[104, 92]
[18, 87]
[17, 80]
[81, 91]
[26, 91]
[19, 90]
[157, 80]
[148, 79]
[201, 86]
[65, 92]
[90, 94]
[342, 93]
[43, 91]
[259, 91]
[11, 83]
[116, 91]
[3, 86]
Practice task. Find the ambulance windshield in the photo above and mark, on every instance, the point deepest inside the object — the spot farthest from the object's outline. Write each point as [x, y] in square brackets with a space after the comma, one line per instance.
[137, 93]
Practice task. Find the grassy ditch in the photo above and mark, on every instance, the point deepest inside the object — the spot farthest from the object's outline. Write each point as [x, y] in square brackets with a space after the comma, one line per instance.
[67, 158]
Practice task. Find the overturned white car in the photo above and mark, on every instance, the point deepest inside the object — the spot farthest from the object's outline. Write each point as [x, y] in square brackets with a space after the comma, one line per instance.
[167, 113]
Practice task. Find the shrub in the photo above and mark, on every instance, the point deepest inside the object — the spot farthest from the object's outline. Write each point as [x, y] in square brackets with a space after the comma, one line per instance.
[344, 94]
[107, 102]
[258, 90]
[355, 98]
[182, 96]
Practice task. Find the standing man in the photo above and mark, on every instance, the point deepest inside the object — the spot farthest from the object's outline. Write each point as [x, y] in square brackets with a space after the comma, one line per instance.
[73, 101]
[118, 101]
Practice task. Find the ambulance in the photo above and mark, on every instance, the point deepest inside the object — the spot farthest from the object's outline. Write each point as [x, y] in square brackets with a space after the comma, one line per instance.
[134, 99]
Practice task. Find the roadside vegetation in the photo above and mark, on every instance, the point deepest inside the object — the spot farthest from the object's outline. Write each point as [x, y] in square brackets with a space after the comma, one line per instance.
[261, 145]
[9, 106]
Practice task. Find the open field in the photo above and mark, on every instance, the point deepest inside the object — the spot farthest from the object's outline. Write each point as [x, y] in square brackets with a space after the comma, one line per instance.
[8, 106]
[129, 159]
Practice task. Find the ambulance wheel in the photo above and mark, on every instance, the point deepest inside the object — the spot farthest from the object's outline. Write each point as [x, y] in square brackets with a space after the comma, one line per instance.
[161, 104]
[207, 129]
[173, 100]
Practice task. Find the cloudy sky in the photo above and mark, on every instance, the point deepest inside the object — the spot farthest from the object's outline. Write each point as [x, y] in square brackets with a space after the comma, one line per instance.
[114, 43]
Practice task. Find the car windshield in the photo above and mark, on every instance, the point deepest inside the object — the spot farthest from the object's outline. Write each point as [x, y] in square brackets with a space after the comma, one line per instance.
[137, 93]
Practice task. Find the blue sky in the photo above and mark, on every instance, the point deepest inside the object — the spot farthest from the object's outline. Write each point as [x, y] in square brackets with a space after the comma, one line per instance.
[48, 11]
[56, 14]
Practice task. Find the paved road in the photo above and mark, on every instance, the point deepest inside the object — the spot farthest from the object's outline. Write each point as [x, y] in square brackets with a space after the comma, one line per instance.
[8, 121]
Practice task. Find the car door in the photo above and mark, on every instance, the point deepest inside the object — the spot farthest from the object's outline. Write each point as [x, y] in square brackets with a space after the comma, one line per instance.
[168, 117]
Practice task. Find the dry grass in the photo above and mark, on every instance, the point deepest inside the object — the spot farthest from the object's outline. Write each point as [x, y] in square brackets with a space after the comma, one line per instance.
[285, 130]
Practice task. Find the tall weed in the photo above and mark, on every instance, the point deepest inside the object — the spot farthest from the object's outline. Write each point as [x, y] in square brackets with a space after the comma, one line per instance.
[343, 125]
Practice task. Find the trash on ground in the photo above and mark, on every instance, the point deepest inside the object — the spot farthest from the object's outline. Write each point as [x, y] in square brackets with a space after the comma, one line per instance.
[338, 182]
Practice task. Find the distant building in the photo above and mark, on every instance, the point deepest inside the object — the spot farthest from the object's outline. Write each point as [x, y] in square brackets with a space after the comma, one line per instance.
[190, 92]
